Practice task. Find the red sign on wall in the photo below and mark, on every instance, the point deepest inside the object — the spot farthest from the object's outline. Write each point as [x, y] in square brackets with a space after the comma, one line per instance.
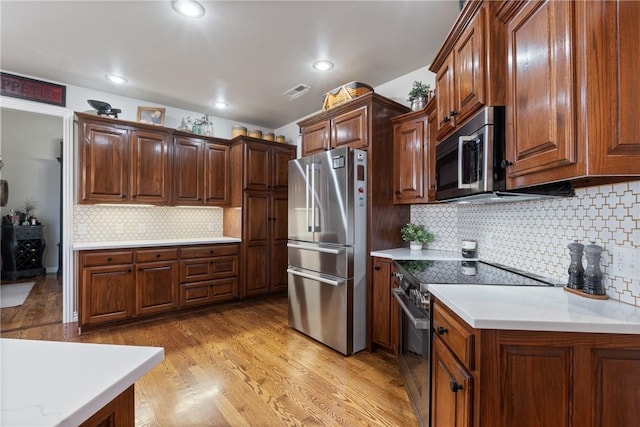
[33, 90]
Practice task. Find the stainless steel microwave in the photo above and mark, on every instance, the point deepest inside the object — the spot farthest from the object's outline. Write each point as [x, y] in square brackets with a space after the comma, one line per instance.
[471, 163]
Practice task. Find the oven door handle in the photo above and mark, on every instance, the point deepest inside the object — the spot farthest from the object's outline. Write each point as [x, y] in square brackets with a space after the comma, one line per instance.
[417, 322]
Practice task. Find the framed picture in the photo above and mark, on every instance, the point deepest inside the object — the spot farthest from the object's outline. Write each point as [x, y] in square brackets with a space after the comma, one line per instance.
[151, 115]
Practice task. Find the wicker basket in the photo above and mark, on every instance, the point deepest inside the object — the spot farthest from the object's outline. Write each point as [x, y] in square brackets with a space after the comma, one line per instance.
[344, 93]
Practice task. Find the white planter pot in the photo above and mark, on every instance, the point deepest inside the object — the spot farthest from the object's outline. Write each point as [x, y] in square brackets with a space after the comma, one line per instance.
[415, 246]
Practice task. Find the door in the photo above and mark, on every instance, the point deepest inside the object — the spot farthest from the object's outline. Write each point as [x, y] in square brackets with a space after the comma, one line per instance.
[149, 167]
[332, 197]
[278, 232]
[188, 161]
[216, 174]
[156, 287]
[300, 199]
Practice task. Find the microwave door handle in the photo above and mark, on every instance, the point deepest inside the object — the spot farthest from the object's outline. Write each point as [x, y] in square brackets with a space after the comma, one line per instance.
[461, 142]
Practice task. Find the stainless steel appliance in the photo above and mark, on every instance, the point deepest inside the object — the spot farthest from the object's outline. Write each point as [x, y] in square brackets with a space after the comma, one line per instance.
[412, 295]
[471, 163]
[327, 248]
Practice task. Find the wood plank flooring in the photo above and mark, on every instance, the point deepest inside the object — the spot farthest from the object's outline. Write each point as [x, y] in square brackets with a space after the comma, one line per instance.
[43, 306]
[241, 365]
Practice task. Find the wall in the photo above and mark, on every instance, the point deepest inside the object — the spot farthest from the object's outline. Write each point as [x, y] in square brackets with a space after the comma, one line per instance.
[30, 145]
[534, 235]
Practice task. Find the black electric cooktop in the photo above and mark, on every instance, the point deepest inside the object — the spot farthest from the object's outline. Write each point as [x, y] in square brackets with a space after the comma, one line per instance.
[468, 272]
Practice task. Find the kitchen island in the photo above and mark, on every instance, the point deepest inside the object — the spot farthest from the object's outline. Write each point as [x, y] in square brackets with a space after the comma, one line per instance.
[46, 383]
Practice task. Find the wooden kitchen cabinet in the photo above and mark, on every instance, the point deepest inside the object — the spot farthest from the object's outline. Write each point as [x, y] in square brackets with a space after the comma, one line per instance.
[316, 138]
[572, 93]
[470, 66]
[385, 314]
[106, 290]
[201, 171]
[261, 191]
[156, 276]
[121, 163]
[414, 156]
[542, 378]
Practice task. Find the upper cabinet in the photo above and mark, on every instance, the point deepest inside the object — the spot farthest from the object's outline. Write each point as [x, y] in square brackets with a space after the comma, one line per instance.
[120, 163]
[345, 125]
[572, 93]
[470, 66]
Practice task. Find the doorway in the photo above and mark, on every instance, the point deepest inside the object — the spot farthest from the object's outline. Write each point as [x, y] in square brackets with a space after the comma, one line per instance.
[64, 119]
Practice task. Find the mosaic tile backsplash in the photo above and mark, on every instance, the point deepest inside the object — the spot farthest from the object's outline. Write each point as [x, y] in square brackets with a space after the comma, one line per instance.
[98, 223]
[534, 235]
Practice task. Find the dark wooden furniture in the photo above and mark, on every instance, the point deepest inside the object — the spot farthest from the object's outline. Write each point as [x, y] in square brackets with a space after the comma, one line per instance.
[414, 141]
[260, 190]
[384, 309]
[365, 123]
[22, 251]
[542, 378]
[117, 285]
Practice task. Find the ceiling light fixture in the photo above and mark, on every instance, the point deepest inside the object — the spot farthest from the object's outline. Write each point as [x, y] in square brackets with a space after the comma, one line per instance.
[220, 104]
[114, 78]
[188, 8]
[323, 65]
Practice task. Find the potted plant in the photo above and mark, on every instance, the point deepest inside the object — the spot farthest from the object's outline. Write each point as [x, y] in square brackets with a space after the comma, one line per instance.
[418, 95]
[29, 208]
[417, 235]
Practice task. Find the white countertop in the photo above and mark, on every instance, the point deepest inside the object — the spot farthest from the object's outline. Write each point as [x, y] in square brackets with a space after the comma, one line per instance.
[537, 309]
[80, 246]
[46, 383]
[425, 254]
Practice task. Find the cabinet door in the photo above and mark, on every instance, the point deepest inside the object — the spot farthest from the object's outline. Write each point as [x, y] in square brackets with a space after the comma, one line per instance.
[445, 98]
[350, 128]
[381, 302]
[217, 180]
[150, 167]
[256, 241]
[257, 175]
[104, 166]
[451, 390]
[432, 141]
[469, 69]
[106, 294]
[409, 161]
[315, 138]
[156, 287]
[279, 236]
[540, 108]
[188, 160]
[280, 168]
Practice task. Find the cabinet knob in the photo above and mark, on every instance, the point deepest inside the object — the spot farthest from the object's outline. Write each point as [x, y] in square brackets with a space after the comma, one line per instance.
[157, 255]
[442, 330]
[123, 196]
[505, 164]
[446, 119]
[377, 268]
[398, 193]
[453, 113]
[109, 259]
[455, 387]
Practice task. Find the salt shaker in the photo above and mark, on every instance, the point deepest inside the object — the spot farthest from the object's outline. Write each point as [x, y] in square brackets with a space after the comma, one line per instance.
[592, 274]
[576, 271]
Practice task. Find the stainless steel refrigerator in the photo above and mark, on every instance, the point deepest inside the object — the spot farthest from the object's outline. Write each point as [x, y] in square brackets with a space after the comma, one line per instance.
[327, 247]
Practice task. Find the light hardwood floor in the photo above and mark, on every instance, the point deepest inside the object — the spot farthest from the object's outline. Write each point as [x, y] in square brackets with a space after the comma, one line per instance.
[43, 306]
[241, 365]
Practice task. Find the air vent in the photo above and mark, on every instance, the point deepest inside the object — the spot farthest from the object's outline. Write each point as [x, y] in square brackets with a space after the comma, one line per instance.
[297, 91]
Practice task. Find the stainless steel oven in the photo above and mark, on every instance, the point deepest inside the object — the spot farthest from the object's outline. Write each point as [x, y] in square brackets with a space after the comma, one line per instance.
[414, 343]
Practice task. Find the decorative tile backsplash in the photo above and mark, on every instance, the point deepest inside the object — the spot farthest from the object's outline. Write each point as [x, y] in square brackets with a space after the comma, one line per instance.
[97, 223]
[534, 235]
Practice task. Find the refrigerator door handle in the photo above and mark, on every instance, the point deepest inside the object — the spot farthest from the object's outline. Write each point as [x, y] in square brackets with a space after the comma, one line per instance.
[315, 249]
[307, 192]
[317, 278]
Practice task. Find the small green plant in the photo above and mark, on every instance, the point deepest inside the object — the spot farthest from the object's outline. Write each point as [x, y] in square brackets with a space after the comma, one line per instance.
[416, 233]
[29, 205]
[417, 90]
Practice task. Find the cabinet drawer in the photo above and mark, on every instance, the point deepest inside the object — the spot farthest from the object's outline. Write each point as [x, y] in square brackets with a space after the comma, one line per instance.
[195, 270]
[88, 259]
[149, 255]
[28, 232]
[208, 251]
[210, 291]
[455, 333]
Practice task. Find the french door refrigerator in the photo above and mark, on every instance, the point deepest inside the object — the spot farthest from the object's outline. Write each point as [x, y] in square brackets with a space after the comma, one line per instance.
[327, 248]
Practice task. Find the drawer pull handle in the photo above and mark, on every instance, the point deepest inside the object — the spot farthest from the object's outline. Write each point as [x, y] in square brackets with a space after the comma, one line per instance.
[455, 387]
[157, 255]
[442, 330]
[377, 267]
[109, 259]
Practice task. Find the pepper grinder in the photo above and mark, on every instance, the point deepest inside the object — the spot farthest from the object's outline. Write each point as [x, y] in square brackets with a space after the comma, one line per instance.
[576, 271]
[592, 274]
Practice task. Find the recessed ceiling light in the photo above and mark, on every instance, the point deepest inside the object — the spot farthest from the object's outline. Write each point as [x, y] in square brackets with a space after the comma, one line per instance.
[188, 8]
[323, 65]
[114, 78]
[220, 104]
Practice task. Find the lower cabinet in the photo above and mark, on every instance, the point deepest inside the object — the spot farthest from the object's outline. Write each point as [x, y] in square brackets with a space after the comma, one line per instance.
[504, 378]
[384, 309]
[116, 285]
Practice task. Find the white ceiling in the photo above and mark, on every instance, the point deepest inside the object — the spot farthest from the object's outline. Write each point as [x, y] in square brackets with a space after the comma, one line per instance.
[244, 52]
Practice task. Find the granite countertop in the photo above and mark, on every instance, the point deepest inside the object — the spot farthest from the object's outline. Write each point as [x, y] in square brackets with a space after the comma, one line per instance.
[47, 383]
[536, 308]
[425, 254]
[80, 246]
